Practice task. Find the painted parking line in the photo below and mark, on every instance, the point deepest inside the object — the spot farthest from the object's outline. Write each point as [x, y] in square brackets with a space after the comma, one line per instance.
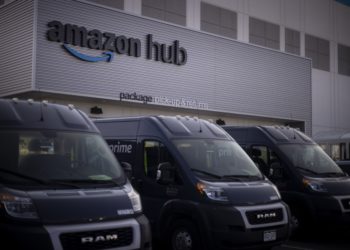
[295, 247]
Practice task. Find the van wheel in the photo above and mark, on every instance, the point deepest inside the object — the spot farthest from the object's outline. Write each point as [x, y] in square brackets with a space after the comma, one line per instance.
[184, 236]
[295, 221]
[300, 222]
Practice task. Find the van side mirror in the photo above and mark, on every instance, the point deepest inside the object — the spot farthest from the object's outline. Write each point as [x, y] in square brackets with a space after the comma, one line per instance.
[165, 173]
[127, 168]
[276, 170]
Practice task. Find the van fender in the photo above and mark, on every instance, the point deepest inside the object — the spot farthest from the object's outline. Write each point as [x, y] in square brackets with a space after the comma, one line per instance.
[296, 200]
[183, 209]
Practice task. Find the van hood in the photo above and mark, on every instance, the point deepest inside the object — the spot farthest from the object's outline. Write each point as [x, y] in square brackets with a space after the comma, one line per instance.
[335, 186]
[62, 206]
[250, 193]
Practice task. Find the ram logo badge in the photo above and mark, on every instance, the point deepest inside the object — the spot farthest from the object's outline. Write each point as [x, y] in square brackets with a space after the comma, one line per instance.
[99, 238]
[265, 215]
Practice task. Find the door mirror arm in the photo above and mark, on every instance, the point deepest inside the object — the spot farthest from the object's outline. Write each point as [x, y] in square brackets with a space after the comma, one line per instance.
[165, 173]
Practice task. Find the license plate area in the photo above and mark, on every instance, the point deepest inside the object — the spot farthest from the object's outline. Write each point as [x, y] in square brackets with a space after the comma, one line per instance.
[269, 235]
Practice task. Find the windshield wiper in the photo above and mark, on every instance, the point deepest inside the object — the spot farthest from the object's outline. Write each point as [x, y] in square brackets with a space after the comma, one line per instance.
[206, 173]
[92, 181]
[62, 183]
[332, 174]
[324, 174]
[307, 170]
[37, 180]
[242, 177]
[23, 176]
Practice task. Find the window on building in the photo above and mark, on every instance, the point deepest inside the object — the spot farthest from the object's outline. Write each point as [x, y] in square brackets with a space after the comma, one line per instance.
[119, 4]
[342, 151]
[292, 38]
[2, 2]
[335, 152]
[343, 60]
[318, 50]
[264, 33]
[218, 20]
[173, 11]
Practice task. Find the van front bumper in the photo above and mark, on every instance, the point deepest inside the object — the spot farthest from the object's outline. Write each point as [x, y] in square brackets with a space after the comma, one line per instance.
[330, 209]
[57, 237]
[229, 227]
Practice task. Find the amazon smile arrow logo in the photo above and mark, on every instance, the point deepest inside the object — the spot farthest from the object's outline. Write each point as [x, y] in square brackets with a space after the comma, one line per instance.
[106, 56]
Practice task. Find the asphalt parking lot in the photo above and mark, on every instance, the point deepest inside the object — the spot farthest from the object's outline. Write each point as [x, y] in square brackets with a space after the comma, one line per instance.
[329, 239]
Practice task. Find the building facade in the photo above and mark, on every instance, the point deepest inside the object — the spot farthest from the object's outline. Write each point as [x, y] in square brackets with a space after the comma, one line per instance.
[238, 62]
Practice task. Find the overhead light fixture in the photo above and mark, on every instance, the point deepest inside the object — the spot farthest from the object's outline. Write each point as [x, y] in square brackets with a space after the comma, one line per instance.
[96, 110]
[220, 122]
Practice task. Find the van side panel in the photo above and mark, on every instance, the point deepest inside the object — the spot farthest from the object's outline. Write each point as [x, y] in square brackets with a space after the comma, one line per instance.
[124, 150]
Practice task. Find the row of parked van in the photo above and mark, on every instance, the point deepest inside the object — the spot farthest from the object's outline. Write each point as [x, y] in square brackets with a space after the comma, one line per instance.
[182, 180]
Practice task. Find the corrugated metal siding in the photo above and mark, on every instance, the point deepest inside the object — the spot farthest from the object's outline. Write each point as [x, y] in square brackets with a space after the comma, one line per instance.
[228, 75]
[16, 49]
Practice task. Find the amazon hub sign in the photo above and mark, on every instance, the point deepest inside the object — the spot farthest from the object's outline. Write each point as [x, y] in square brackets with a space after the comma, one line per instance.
[110, 43]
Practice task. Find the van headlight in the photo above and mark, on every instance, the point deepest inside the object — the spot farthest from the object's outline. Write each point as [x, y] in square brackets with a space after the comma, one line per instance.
[213, 193]
[278, 194]
[134, 198]
[18, 207]
[314, 185]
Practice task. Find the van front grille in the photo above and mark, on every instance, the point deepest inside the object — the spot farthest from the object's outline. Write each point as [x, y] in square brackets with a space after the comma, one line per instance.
[102, 239]
[265, 216]
[346, 203]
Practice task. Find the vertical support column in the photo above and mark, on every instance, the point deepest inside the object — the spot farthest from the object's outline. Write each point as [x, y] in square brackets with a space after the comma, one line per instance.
[282, 38]
[133, 6]
[193, 14]
[243, 21]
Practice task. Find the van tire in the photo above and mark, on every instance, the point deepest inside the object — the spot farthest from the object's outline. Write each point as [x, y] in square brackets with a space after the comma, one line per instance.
[301, 222]
[183, 235]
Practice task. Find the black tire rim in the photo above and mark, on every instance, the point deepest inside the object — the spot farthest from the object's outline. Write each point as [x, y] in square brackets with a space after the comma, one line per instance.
[182, 240]
[295, 222]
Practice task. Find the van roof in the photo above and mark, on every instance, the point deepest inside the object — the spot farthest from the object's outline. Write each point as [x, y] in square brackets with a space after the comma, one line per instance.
[172, 126]
[278, 133]
[19, 114]
[330, 136]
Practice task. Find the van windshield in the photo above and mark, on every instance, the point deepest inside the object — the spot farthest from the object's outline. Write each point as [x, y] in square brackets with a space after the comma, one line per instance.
[311, 160]
[218, 159]
[58, 158]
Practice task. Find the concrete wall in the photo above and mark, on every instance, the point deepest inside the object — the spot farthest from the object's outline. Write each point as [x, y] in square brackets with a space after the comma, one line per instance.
[230, 76]
[325, 19]
[17, 49]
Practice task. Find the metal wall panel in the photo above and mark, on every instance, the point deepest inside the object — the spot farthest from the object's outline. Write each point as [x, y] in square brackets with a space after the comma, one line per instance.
[16, 49]
[228, 75]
